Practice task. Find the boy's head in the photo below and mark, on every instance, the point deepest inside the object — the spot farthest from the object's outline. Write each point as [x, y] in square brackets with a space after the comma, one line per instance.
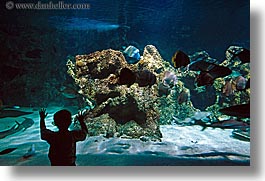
[62, 119]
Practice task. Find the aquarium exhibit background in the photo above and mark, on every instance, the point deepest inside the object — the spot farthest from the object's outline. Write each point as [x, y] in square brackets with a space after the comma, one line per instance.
[169, 25]
[36, 45]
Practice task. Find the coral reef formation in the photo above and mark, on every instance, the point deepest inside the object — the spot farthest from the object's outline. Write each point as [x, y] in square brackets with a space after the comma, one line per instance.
[132, 100]
[133, 110]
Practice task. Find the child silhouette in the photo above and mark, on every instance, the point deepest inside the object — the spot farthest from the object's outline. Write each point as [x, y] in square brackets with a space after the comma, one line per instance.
[62, 150]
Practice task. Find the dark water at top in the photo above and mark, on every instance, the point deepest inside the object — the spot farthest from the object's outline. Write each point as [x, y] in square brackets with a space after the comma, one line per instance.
[168, 24]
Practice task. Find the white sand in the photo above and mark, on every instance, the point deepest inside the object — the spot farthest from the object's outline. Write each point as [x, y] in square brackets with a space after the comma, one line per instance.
[98, 150]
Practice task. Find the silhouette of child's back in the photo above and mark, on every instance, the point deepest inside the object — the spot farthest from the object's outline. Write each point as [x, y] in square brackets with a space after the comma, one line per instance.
[62, 150]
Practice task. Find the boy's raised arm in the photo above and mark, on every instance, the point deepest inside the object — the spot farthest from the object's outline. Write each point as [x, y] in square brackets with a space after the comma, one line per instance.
[80, 118]
[43, 115]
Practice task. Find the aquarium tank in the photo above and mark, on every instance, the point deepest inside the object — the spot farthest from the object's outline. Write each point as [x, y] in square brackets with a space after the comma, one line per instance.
[125, 83]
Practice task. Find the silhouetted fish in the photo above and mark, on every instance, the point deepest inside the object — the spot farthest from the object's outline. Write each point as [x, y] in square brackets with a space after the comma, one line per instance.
[248, 84]
[208, 77]
[145, 78]
[204, 78]
[17, 127]
[227, 124]
[242, 111]
[180, 59]
[201, 65]
[30, 152]
[219, 71]
[230, 124]
[243, 56]
[183, 97]
[6, 151]
[69, 92]
[12, 113]
[36, 53]
[163, 90]
[127, 77]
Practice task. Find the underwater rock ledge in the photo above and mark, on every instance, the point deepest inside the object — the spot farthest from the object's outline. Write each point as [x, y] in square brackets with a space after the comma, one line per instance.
[119, 110]
[135, 110]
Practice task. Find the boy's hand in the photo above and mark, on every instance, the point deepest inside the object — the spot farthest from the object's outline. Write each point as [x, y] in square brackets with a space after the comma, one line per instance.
[80, 117]
[43, 113]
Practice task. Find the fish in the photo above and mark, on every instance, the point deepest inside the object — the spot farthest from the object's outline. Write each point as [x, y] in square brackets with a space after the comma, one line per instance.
[145, 78]
[230, 124]
[228, 88]
[227, 124]
[17, 127]
[132, 54]
[25, 124]
[243, 56]
[214, 154]
[6, 151]
[163, 90]
[127, 77]
[241, 111]
[248, 84]
[69, 92]
[219, 71]
[36, 53]
[241, 83]
[201, 65]
[204, 78]
[12, 113]
[183, 97]
[30, 152]
[73, 23]
[180, 59]
[170, 79]
[243, 135]
[207, 77]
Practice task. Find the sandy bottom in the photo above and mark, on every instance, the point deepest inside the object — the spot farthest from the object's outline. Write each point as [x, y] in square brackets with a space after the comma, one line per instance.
[180, 146]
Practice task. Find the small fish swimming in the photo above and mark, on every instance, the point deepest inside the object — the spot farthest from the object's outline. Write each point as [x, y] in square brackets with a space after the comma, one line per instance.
[69, 92]
[201, 65]
[132, 54]
[243, 56]
[170, 79]
[12, 113]
[183, 97]
[241, 83]
[142, 78]
[163, 90]
[228, 88]
[242, 110]
[204, 78]
[30, 152]
[180, 59]
[6, 151]
[17, 127]
[127, 77]
[230, 124]
[227, 124]
[145, 78]
[207, 77]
